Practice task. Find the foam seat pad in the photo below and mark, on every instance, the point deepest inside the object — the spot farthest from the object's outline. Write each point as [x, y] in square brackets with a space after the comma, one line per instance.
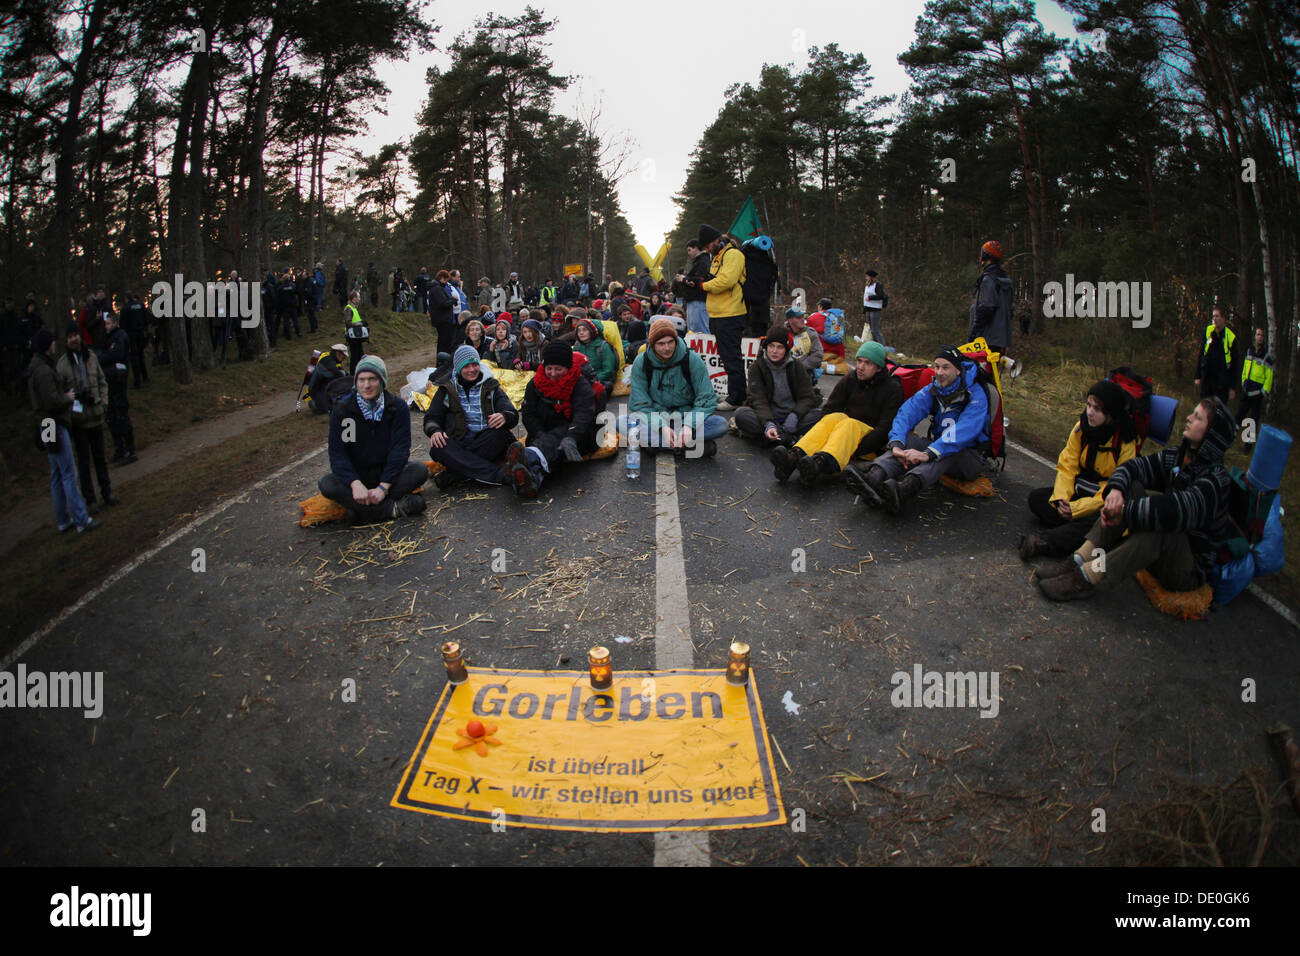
[1184, 605]
[980, 487]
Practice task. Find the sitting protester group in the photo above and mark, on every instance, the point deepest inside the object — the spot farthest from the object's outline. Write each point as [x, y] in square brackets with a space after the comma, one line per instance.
[1108, 513]
[958, 409]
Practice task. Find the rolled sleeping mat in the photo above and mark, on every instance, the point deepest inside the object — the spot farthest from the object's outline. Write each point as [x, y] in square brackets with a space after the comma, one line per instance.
[1269, 460]
[1163, 412]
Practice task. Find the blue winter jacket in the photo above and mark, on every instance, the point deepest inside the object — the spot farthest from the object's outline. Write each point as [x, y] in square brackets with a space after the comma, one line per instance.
[962, 405]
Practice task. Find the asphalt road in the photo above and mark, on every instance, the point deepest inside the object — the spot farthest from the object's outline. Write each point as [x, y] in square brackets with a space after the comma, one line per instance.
[223, 688]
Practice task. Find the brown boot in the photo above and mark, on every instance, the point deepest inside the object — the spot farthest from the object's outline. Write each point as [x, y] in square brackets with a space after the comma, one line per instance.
[1031, 546]
[1071, 586]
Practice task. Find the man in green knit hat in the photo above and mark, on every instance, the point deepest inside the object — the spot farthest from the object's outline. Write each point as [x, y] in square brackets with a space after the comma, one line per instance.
[856, 420]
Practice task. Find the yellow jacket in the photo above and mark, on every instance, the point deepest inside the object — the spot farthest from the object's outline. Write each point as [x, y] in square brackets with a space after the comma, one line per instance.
[1072, 476]
[724, 297]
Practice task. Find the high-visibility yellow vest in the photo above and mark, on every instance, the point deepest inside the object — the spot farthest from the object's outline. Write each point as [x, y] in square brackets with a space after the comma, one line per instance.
[1228, 339]
[1258, 369]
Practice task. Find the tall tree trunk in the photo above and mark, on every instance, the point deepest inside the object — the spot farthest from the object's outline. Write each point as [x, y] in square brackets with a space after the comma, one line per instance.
[201, 72]
[63, 166]
[254, 259]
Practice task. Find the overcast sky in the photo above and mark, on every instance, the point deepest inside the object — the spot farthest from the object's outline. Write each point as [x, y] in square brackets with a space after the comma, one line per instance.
[662, 70]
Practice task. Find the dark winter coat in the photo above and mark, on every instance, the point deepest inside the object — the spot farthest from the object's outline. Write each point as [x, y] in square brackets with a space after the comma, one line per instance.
[875, 402]
[1196, 494]
[447, 414]
[88, 382]
[805, 393]
[381, 449]
[990, 311]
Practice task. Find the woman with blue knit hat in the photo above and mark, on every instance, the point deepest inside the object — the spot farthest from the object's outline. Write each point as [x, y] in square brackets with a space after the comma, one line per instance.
[468, 424]
[370, 448]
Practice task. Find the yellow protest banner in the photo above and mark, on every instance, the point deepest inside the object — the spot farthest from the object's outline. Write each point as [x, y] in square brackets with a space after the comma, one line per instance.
[659, 750]
[574, 269]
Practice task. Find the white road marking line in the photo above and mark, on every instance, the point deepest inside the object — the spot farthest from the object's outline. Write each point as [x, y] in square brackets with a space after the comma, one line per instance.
[1268, 600]
[130, 566]
[673, 647]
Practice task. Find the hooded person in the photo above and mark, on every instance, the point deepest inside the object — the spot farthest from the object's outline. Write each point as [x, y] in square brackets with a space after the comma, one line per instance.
[79, 370]
[503, 347]
[855, 421]
[1102, 439]
[1176, 535]
[468, 423]
[328, 369]
[959, 423]
[369, 450]
[782, 401]
[672, 401]
[559, 414]
[528, 347]
[589, 339]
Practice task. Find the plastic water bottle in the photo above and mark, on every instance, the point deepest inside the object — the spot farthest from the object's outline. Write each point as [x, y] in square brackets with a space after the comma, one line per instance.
[633, 453]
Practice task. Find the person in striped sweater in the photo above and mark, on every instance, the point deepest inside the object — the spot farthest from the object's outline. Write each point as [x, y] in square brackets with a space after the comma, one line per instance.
[1175, 534]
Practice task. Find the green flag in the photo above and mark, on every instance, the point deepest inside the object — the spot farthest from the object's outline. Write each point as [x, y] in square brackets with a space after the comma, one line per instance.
[746, 226]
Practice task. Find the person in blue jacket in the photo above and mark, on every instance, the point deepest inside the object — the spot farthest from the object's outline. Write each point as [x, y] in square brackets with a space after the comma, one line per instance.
[960, 424]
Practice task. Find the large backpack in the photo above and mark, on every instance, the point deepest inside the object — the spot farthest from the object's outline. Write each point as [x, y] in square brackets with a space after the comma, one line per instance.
[1137, 399]
[986, 377]
[913, 378]
[337, 390]
[834, 329]
[760, 274]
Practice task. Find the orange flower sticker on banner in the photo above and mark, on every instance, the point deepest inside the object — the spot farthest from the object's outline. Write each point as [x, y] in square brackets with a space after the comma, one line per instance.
[477, 735]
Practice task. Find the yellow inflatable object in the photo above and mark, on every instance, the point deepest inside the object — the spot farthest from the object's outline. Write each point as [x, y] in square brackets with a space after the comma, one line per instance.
[615, 339]
[1184, 605]
[655, 265]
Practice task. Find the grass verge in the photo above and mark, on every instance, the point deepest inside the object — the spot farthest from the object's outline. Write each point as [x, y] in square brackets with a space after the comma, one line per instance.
[49, 571]
[164, 408]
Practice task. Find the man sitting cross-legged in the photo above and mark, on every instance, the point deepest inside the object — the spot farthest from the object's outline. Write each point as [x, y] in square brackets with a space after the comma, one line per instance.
[468, 424]
[369, 448]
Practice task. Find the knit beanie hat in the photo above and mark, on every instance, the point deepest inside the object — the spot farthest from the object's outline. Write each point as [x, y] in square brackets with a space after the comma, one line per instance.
[42, 340]
[465, 355]
[778, 334]
[557, 353]
[72, 329]
[373, 363]
[874, 353]
[661, 327]
[1111, 397]
[950, 353]
[534, 325]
